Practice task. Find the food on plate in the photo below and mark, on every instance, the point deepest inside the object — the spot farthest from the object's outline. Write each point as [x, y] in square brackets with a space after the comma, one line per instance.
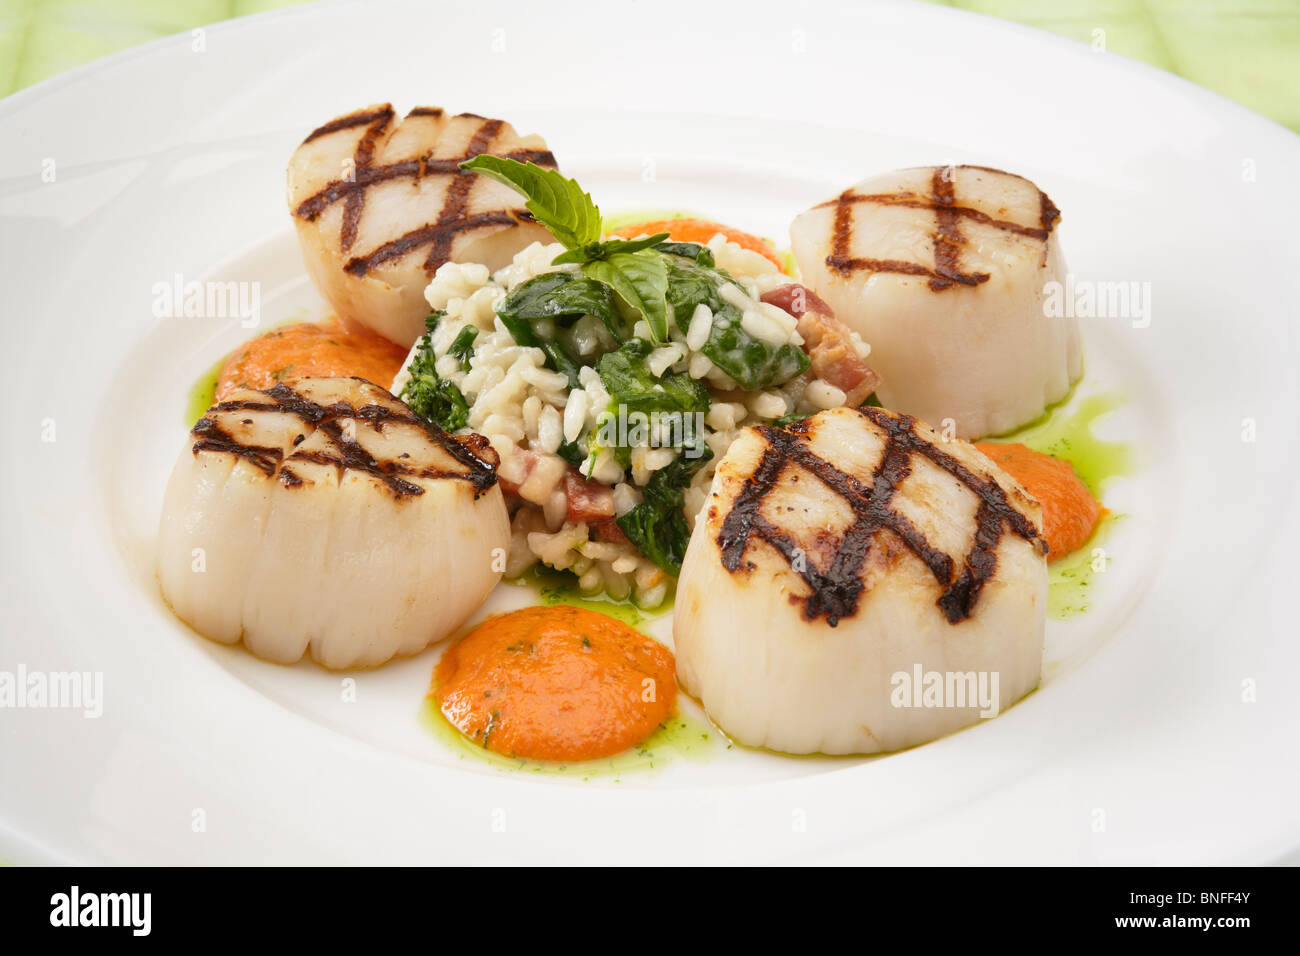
[380, 203]
[310, 350]
[700, 231]
[1070, 512]
[609, 374]
[942, 269]
[854, 546]
[556, 683]
[326, 517]
[660, 409]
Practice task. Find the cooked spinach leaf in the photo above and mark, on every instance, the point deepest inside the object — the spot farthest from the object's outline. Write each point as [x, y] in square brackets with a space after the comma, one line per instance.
[558, 358]
[752, 362]
[701, 255]
[630, 383]
[657, 526]
[561, 295]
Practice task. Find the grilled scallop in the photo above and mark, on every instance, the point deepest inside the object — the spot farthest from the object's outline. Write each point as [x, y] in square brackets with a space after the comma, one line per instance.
[327, 517]
[942, 270]
[835, 555]
[380, 203]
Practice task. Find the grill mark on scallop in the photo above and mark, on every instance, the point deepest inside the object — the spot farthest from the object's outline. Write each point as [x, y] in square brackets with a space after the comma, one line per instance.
[911, 200]
[467, 451]
[351, 121]
[361, 158]
[353, 457]
[456, 200]
[311, 208]
[947, 239]
[212, 437]
[835, 592]
[434, 232]
[439, 235]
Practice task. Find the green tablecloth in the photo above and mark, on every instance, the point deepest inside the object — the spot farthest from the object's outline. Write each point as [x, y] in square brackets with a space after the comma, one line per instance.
[1248, 50]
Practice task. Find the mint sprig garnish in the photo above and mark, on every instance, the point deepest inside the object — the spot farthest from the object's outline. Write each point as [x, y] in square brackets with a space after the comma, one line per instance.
[603, 250]
[557, 203]
[632, 268]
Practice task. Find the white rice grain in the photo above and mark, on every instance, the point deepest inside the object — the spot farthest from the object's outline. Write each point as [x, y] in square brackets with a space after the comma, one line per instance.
[455, 280]
[543, 479]
[544, 378]
[662, 359]
[626, 497]
[575, 415]
[768, 404]
[824, 395]
[700, 365]
[701, 325]
[733, 294]
[763, 328]
[550, 430]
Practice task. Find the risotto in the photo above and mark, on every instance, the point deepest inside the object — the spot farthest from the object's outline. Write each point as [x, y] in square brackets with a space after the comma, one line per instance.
[608, 441]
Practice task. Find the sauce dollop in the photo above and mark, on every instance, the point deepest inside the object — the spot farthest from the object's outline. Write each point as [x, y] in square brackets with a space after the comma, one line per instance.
[557, 684]
[1070, 512]
[326, 349]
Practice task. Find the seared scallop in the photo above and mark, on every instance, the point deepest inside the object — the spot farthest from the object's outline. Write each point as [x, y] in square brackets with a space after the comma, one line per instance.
[380, 204]
[836, 560]
[944, 270]
[325, 517]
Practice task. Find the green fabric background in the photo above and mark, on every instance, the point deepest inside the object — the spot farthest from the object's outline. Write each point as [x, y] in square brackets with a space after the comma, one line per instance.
[1248, 50]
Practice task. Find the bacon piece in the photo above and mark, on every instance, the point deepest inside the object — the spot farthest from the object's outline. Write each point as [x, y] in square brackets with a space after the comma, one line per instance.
[797, 299]
[828, 342]
[611, 532]
[589, 501]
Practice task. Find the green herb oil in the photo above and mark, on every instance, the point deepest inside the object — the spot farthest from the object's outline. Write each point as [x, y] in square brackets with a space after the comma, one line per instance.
[203, 394]
[1065, 431]
[678, 737]
[561, 587]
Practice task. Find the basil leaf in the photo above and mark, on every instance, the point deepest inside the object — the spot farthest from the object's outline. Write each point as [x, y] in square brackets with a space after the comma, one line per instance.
[752, 362]
[640, 280]
[657, 526]
[602, 250]
[557, 203]
[555, 295]
[462, 347]
[429, 395]
[611, 246]
[581, 254]
[627, 379]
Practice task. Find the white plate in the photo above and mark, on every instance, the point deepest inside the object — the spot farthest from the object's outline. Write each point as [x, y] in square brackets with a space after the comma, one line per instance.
[1165, 728]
